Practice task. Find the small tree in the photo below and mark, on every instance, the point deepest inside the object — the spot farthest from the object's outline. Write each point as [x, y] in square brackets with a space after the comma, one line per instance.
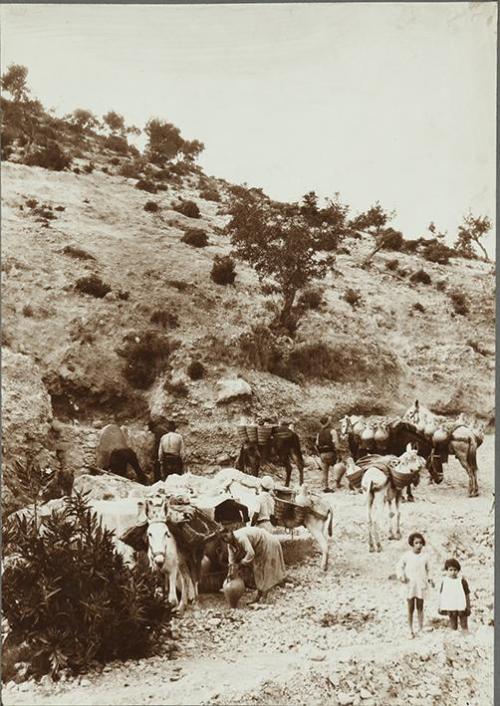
[114, 122]
[83, 120]
[470, 233]
[165, 142]
[23, 113]
[278, 242]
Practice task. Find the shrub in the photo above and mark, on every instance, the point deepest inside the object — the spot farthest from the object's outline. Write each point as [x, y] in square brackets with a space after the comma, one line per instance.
[352, 297]
[27, 310]
[164, 318]
[31, 203]
[420, 276]
[60, 208]
[187, 208]
[403, 273]
[68, 594]
[223, 271]
[130, 171]
[177, 388]
[459, 302]
[195, 237]
[419, 307]
[210, 195]
[92, 285]
[311, 298]
[410, 246]
[151, 207]
[260, 348]
[145, 358]
[441, 285]
[50, 157]
[89, 168]
[123, 295]
[117, 144]
[146, 185]
[392, 240]
[76, 171]
[77, 253]
[196, 370]
[438, 252]
[114, 161]
[392, 265]
[178, 284]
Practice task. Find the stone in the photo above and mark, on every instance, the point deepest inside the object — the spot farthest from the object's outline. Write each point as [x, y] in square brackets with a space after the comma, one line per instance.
[365, 694]
[232, 389]
[344, 699]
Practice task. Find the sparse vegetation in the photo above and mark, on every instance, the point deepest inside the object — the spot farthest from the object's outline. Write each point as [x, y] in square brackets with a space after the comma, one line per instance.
[151, 207]
[470, 233]
[441, 285]
[187, 208]
[195, 237]
[178, 284]
[76, 252]
[438, 252]
[27, 310]
[420, 276]
[93, 286]
[392, 265]
[164, 318]
[145, 185]
[49, 157]
[223, 270]
[210, 195]
[177, 388]
[459, 303]
[196, 370]
[311, 298]
[352, 297]
[146, 354]
[419, 307]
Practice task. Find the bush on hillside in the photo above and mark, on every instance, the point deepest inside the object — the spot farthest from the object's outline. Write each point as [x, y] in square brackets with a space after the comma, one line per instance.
[311, 298]
[115, 161]
[223, 270]
[420, 276]
[352, 297]
[130, 170]
[145, 358]
[196, 370]
[262, 349]
[176, 388]
[164, 318]
[410, 246]
[92, 285]
[67, 594]
[49, 157]
[115, 143]
[89, 168]
[459, 302]
[187, 208]
[441, 285]
[210, 195]
[195, 237]
[419, 307]
[151, 207]
[392, 265]
[145, 185]
[439, 253]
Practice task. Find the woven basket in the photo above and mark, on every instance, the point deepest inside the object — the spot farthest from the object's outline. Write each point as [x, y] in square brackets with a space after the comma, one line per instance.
[288, 514]
[264, 434]
[242, 434]
[401, 480]
[252, 434]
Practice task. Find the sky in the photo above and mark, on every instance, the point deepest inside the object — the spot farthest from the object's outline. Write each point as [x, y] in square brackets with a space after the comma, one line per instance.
[392, 102]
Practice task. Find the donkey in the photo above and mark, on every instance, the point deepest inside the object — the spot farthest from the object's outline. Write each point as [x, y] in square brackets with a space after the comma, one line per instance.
[282, 448]
[463, 443]
[381, 492]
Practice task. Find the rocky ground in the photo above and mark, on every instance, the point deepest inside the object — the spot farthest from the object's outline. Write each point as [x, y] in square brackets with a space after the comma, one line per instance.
[328, 638]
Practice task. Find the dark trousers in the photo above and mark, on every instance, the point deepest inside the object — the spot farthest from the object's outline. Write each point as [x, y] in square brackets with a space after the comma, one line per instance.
[454, 616]
[171, 464]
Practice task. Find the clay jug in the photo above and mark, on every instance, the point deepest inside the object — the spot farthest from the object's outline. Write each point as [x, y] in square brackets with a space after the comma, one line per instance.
[381, 434]
[233, 589]
[367, 435]
[440, 436]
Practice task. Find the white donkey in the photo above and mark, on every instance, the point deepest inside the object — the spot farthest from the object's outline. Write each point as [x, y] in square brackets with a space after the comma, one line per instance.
[163, 553]
[381, 492]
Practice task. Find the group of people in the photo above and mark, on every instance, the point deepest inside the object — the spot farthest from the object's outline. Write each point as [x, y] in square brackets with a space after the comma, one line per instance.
[454, 593]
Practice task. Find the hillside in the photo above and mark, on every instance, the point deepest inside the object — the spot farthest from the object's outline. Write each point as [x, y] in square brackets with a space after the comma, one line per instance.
[60, 346]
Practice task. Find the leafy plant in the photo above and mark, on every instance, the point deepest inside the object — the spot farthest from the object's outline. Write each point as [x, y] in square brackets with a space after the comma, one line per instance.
[352, 297]
[459, 303]
[146, 356]
[151, 207]
[420, 276]
[195, 237]
[70, 597]
[187, 208]
[311, 298]
[223, 270]
[49, 157]
[210, 194]
[92, 285]
[196, 370]
[146, 185]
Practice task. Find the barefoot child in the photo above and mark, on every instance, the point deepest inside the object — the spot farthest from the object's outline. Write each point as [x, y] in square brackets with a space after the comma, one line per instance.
[413, 571]
[454, 596]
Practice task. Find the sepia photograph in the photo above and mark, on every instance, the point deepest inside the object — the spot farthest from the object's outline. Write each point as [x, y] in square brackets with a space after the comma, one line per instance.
[248, 353]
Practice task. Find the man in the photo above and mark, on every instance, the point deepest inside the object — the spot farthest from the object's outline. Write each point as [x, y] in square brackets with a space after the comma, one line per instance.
[170, 452]
[326, 444]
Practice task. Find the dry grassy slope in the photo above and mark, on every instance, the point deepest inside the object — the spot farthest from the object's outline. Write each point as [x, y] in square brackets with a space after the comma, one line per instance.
[73, 337]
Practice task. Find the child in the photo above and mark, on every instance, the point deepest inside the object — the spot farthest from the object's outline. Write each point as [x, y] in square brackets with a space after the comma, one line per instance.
[413, 570]
[454, 596]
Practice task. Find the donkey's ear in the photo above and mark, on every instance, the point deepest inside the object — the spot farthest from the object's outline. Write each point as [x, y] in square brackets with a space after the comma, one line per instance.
[416, 404]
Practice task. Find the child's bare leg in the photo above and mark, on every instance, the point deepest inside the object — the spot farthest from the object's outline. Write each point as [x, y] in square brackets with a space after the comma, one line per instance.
[420, 613]
[463, 623]
[453, 621]
[411, 608]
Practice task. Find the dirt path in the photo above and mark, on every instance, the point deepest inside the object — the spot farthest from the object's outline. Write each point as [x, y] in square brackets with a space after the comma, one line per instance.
[335, 637]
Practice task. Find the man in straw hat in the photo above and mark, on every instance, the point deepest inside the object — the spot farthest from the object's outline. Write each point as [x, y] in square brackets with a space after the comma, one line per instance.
[326, 445]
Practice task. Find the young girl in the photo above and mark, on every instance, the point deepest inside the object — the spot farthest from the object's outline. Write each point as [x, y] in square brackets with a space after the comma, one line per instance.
[454, 596]
[413, 571]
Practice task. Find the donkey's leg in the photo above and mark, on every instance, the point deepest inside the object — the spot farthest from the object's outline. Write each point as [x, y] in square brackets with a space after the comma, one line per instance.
[369, 517]
[172, 586]
[397, 503]
[378, 516]
[316, 529]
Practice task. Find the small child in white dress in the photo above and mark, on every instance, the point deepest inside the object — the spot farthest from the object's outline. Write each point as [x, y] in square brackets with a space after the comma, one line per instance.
[413, 571]
[454, 596]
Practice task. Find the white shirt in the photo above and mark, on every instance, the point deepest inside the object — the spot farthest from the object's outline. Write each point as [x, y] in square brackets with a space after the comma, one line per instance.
[170, 443]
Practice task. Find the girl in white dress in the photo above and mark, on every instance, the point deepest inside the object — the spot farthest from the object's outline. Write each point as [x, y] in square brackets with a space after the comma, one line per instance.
[413, 571]
[454, 596]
